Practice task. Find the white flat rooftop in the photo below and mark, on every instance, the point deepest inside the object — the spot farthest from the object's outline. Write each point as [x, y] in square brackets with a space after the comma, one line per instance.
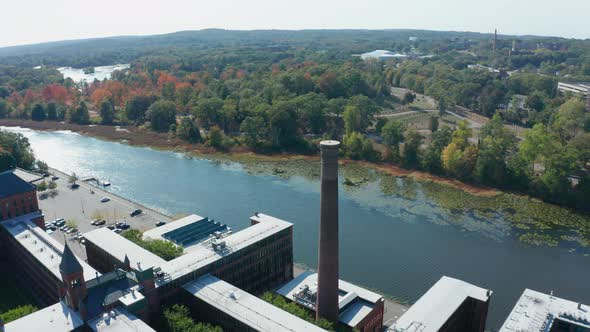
[27, 176]
[156, 233]
[122, 321]
[41, 245]
[201, 255]
[118, 246]
[246, 308]
[350, 293]
[437, 305]
[536, 312]
[55, 318]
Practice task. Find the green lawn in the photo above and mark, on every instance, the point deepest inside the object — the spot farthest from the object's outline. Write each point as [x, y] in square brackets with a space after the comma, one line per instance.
[12, 294]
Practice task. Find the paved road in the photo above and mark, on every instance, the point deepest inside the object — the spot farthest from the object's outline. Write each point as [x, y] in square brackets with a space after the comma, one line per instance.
[395, 115]
[83, 204]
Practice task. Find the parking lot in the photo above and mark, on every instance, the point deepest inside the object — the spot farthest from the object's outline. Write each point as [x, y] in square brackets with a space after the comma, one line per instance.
[82, 205]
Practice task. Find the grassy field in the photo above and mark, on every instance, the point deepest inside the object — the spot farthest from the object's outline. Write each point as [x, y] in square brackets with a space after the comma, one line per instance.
[12, 294]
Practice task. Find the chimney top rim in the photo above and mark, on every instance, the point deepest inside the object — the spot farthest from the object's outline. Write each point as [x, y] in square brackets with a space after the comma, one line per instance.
[329, 143]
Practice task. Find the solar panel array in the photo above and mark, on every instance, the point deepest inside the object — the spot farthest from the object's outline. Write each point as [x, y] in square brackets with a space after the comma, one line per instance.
[195, 232]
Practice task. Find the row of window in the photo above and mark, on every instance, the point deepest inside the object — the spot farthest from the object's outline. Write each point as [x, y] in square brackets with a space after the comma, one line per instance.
[6, 213]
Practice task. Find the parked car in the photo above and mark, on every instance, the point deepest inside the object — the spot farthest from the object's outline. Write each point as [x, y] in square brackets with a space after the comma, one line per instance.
[100, 222]
[54, 178]
[52, 228]
[75, 186]
[160, 223]
[104, 199]
[117, 230]
[64, 228]
[124, 226]
[135, 212]
[50, 231]
[111, 227]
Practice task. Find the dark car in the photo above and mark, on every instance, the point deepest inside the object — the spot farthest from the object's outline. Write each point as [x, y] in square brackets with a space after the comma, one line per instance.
[111, 227]
[75, 186]
[160, 223]
[100, 222]
[124, 226]
[135, 212]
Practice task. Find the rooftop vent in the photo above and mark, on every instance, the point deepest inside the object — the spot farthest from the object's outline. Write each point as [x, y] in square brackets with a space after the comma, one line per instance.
[219, 246]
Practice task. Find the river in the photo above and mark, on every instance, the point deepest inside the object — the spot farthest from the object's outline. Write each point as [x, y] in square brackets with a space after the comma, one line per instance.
[398, 235]
[100, 73]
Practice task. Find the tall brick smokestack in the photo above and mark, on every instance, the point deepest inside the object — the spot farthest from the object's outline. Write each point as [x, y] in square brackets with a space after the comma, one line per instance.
[327, 293]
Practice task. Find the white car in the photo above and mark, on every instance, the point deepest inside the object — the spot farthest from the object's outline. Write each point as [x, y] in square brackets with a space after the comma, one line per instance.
[105, 199]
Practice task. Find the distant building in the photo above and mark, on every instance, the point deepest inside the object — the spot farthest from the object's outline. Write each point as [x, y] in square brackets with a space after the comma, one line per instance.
[450, 305]
[18, 197]
[359, 309]
[538, 312]
[382, 55]
[580, 88]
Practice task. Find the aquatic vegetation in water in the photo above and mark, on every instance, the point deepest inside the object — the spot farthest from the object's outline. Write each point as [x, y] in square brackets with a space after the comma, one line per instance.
[530, 220]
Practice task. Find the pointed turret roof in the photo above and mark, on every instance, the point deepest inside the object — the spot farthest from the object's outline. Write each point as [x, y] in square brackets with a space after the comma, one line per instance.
[126, 262]
[69, 263]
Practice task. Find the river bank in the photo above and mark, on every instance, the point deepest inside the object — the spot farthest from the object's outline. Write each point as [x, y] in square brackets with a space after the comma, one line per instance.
[142, 137]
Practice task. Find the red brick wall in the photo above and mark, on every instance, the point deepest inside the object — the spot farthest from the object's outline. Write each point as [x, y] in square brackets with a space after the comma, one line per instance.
[374, 320]
[18, 205]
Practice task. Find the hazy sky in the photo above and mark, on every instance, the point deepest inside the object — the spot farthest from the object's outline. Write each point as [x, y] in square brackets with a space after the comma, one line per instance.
[31, 21]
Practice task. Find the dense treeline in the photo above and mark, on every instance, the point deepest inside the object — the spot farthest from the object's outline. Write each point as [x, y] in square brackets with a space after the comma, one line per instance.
[283, 91]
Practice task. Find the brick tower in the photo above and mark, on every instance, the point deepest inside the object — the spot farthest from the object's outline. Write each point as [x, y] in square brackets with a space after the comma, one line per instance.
[327, 293]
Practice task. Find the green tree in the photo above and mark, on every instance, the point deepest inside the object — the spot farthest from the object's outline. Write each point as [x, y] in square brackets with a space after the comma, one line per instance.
[497, 145]
[254, 130]
[462, 135]
[535, 102]
[412, 142]
[570, 119]
[178, 319]
[207, 112]
[7, 161]
[72, 178]
[188, 131]
[38, 113]
[18, 312]
[431, 158]
[164, 249]
[282, 125]
[137, 106]
[536, 143]
[51, 111]
[358, 147]
[42, 166]
[4, 92]
[52, 185]
[296, 310]
[393, 134]
[4, 109]
[216, 138]
[107, 112]
[42, 186]
[434, 123]
[408, 98]
[19, 148]
[161, 115]
[80, 114]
